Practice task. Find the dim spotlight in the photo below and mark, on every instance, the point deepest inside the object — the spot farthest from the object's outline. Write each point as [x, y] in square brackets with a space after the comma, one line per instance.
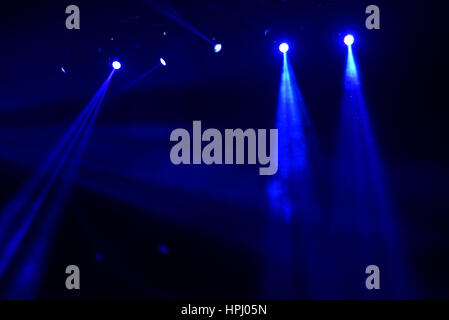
[217, 47]
[163, 62]
[349, 39]
[116, 65]
[283, 47]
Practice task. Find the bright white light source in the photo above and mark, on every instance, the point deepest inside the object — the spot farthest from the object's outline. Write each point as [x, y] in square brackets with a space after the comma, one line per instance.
[116, 65]
[217, 47]
[163, 62]
[283, 47]
[349, 40]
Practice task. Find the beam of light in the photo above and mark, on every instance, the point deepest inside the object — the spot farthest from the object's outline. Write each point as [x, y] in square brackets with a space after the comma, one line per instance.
[218, 47]
[176, 17]
[363, 207]
[142, 76]
[23, 279]
[13, 208]
[291, 122]
[26, 283]
[290, 193]
[107, 171]
[283, 47]
[51, 161]
[30, 208]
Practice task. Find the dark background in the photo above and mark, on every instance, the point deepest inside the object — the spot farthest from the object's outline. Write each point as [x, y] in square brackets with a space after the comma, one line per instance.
[139, 227]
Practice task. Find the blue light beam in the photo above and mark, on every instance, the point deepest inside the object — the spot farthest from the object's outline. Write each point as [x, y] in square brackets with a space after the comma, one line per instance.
[12, 240]
[290, 193]
[176, 17]
[142, 76]
[363, 205]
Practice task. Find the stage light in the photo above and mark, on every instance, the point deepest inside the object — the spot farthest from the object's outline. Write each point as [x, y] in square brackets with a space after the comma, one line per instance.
[349, 39]
[217, 47]
[283, 47]
[116, 65]
[163, 62]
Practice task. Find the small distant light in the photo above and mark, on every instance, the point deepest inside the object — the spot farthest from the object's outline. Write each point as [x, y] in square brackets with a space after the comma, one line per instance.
[165, 33]
[349, 39]
[163, 62]
[62, 69]
[283, 47]
[217, 47]
[116, 65]
[163, 249]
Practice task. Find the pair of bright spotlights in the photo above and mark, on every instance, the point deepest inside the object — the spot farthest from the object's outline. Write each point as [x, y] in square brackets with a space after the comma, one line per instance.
[117, 65]
[348, 40]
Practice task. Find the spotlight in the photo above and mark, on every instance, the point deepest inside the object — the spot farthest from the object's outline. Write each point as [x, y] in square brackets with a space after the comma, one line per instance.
[217, 47]
[163, 62]
[349, 39]
[283, 47]
[116, 65]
